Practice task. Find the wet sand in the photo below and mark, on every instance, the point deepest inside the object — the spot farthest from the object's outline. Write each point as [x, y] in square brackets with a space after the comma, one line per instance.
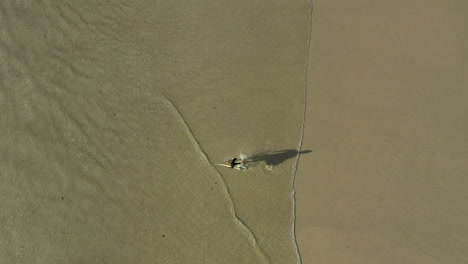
[114, 114]
[387, 123]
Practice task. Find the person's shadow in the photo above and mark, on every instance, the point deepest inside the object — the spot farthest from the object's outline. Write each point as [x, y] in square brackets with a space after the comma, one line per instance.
[274, 158]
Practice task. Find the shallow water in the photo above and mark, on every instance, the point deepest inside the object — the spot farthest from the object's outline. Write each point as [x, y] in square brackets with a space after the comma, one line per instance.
[114, 114]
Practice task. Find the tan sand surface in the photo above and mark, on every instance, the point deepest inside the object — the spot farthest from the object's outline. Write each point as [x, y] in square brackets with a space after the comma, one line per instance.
[387, 123]
[113, 114]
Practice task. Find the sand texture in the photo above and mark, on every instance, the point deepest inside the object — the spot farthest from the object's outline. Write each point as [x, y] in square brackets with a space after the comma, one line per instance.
[113, 114]
[387, 124]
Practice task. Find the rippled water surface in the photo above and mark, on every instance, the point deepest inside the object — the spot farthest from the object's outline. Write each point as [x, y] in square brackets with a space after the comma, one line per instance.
[113, 115]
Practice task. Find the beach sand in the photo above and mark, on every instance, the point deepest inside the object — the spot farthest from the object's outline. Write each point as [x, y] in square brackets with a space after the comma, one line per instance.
[114, 114]
[387, 125]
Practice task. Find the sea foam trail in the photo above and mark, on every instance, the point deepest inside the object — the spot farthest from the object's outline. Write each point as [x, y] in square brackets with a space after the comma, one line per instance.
[245, 229]
[301, 139]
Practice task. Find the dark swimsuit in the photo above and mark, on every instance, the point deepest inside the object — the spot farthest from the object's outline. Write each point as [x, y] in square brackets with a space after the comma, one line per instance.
[233, 162]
